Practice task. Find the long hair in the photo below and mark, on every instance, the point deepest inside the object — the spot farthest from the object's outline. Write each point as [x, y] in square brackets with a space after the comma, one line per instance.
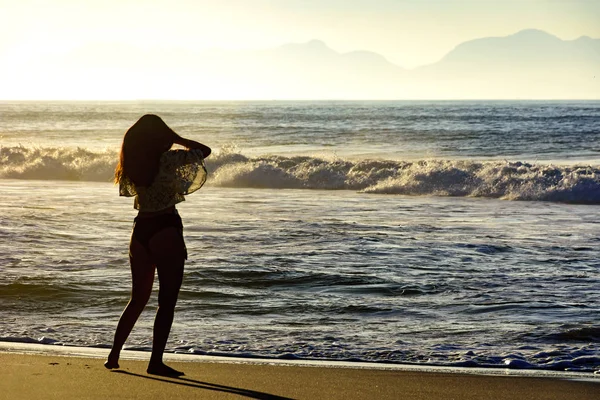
[142, 147]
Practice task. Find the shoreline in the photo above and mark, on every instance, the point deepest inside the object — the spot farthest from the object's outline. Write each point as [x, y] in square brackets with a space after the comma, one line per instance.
[183, 357]
[30, 372]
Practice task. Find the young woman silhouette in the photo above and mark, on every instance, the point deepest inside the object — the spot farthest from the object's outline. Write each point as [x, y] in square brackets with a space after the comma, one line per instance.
[158, 178]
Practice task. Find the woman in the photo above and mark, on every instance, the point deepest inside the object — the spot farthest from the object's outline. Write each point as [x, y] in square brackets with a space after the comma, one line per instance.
[158, 178]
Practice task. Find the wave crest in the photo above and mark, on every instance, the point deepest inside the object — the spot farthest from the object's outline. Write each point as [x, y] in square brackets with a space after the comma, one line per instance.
[494, 179]
[73, 164]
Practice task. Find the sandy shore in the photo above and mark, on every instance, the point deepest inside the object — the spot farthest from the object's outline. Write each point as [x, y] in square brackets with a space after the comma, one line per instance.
[49, 376]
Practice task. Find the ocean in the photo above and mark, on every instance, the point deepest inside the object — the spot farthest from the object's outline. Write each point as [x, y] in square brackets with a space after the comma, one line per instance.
[445, 233]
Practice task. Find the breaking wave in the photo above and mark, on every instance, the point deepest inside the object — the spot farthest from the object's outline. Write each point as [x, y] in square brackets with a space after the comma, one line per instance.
[494, 179]
[72, 164]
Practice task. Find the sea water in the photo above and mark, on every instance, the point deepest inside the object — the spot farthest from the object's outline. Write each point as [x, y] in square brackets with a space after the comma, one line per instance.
[436, 233]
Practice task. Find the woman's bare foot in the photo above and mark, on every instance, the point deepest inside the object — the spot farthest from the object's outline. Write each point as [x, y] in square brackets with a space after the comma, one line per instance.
[112, 362]
[163, 370]
[111, 365]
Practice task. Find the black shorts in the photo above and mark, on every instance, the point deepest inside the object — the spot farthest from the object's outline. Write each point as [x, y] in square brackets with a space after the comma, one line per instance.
[145, 228]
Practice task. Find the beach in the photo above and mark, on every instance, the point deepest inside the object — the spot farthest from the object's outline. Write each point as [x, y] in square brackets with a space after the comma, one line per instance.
[31, 372]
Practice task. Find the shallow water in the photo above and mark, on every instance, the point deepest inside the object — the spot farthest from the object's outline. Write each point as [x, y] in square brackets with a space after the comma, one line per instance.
[316, 274]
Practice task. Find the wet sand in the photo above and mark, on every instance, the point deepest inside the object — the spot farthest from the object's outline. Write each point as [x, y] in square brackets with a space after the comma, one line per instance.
[48, 376]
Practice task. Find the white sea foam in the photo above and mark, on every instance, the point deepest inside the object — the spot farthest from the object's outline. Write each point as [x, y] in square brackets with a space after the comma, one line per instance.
[60, 163]
[100, 352]
[493, 179]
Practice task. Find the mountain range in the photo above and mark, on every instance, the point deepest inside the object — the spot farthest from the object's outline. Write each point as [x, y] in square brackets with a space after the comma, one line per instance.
[530, 64]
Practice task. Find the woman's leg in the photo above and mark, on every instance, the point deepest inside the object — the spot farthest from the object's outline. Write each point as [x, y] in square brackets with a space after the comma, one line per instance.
[168, 252]
[142, 276]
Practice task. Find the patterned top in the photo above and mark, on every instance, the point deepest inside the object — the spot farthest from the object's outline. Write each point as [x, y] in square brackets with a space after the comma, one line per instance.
[180, 172]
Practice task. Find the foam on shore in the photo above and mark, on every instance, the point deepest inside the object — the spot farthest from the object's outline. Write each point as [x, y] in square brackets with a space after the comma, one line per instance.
[101, 353]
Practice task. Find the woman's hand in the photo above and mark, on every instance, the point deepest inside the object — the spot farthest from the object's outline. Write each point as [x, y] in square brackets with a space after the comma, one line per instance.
[193, 145]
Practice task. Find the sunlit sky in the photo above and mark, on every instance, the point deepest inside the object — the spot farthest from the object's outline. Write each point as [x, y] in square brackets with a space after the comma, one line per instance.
[408, 33]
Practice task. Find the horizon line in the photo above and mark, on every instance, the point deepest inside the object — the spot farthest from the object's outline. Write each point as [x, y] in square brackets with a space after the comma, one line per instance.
[289, 100]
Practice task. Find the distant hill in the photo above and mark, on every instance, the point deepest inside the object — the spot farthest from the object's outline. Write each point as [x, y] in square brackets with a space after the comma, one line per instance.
[529, 47]
[530, 64]
[309, 70]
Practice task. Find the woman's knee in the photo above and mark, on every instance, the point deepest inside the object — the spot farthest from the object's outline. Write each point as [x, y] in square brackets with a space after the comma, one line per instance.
[138, 302]
[140, 295]
[167, 301]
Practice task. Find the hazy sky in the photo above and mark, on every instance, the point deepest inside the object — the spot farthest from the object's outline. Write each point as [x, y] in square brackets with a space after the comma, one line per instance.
[57, 49]
[407, 32]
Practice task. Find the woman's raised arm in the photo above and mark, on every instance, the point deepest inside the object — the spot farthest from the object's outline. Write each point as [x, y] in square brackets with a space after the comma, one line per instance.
[192, 145]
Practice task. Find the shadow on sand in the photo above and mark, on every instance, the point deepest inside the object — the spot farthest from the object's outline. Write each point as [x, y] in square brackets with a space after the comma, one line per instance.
[208, 386]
